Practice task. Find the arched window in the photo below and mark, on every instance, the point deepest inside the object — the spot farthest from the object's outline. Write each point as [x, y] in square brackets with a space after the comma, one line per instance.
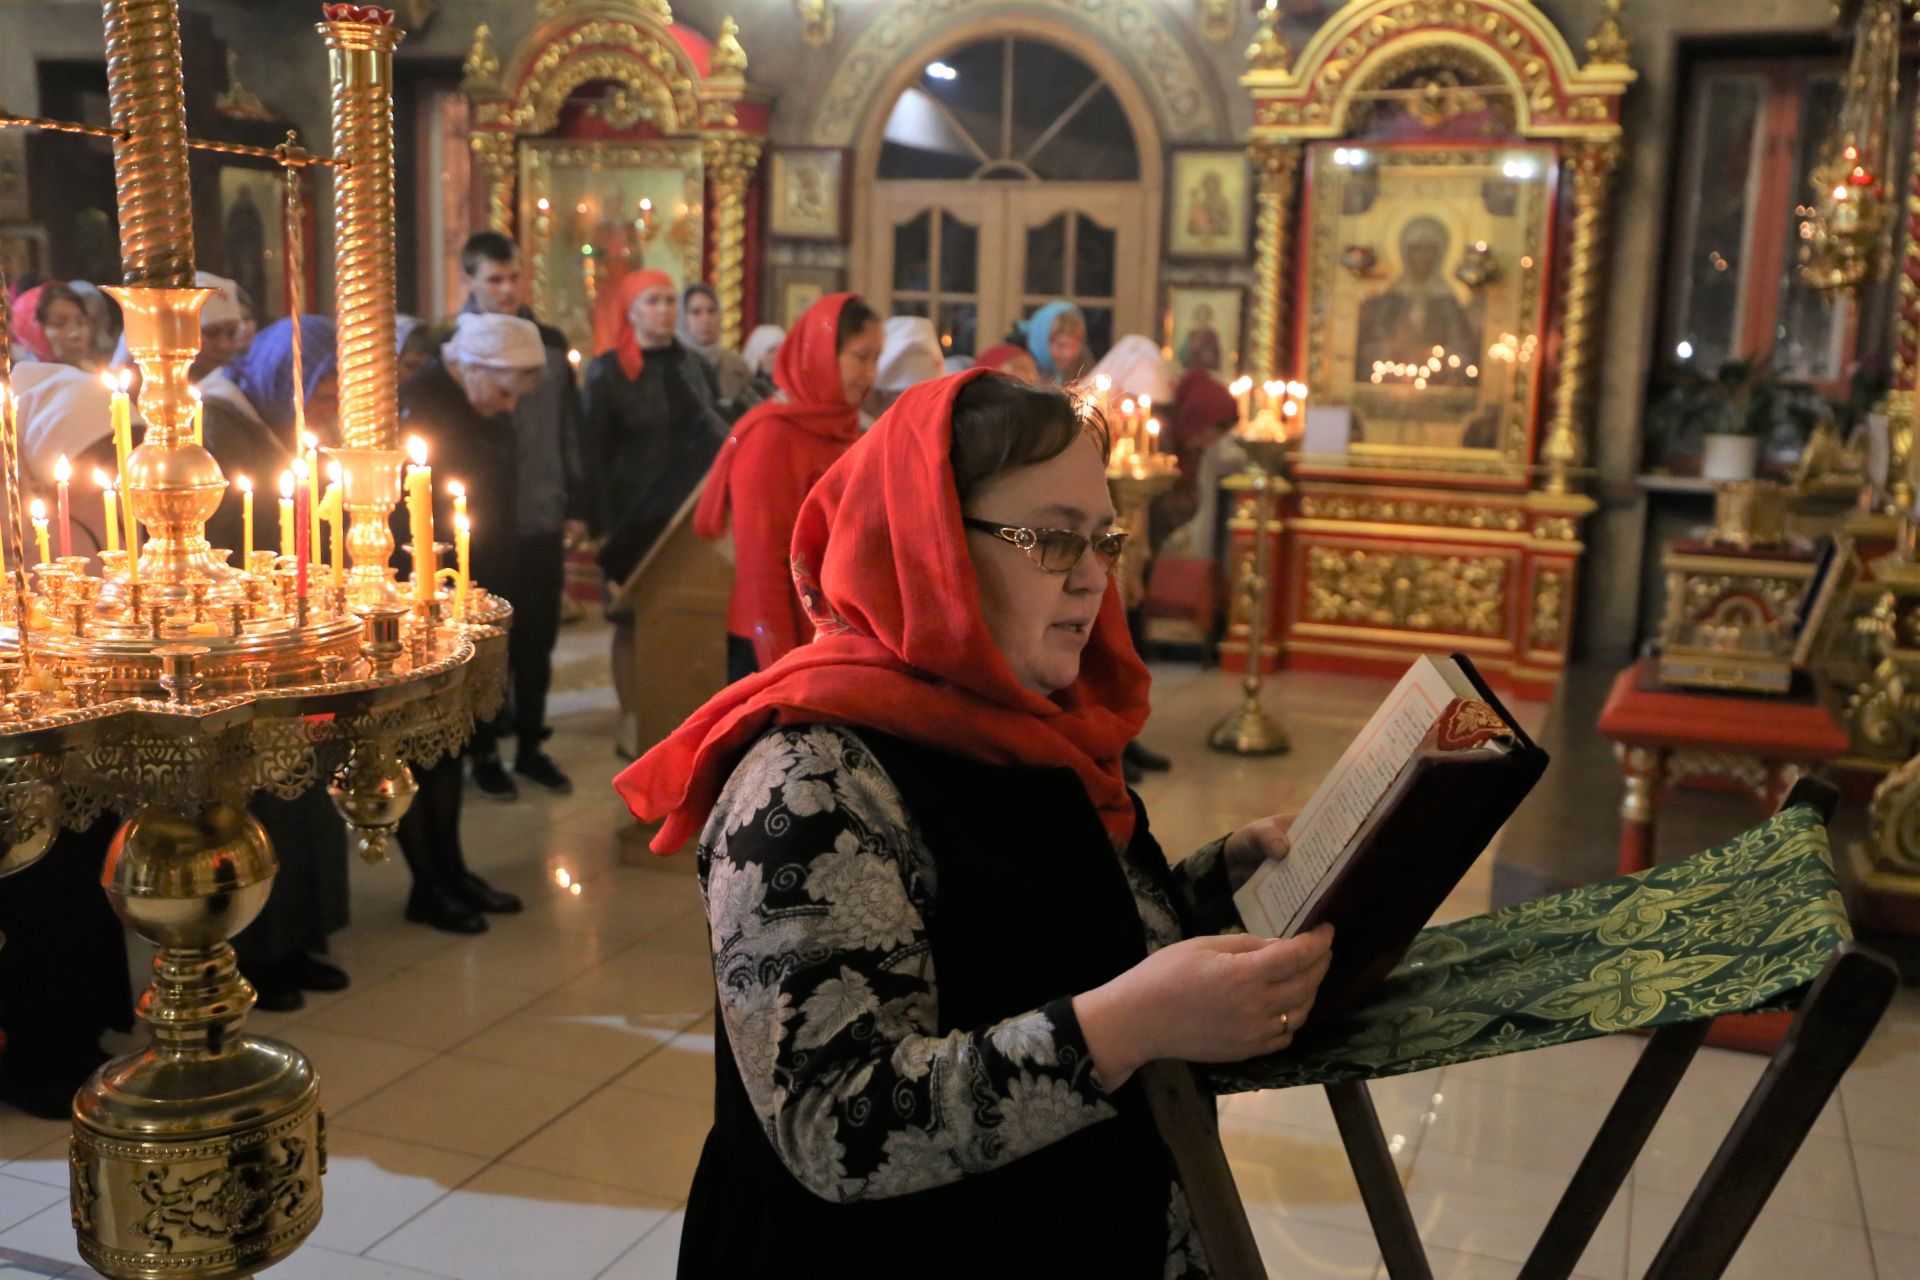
[1008, 176]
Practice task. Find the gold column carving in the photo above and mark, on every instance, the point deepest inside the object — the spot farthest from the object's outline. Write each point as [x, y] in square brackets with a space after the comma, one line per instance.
[1275, 167]
[816, 22]
[730, 161]
[1906, 345]
[150, 159]
[360, 67]
[1592, 164]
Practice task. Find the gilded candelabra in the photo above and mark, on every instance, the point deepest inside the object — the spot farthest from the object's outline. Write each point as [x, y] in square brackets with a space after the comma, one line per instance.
[1250, 729]
[171, 685]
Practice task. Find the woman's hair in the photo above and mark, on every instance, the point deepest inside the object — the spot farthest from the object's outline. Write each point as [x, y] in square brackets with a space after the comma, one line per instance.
[1002, 424]
[1069, 321]
[700, 287]
[421, 340]
[855, 316]
[57, 293]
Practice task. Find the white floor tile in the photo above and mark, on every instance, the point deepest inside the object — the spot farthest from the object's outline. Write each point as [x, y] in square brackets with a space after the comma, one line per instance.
[1890, 1184]
[598, 1141]
[374, 1185]
[656, 1257]
[1818, 1184]
[1881, 1089]
[350, 1067]
[48, 1165]
[426, 1009]
[47, 1234]
[315, 1262]
[1300, 1249]
[512, 1223]
[1895, 1256]
[1781, 1246]
[1499, 1210]
[462, 1104]
[1511, 1124]
[21, 1199]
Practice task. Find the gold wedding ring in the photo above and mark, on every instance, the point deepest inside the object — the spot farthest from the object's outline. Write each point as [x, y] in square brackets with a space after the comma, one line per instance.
[1286, 1023]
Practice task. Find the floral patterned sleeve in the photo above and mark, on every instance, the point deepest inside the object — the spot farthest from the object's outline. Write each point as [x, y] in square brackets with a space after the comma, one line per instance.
[818, 889]
[1202, 891]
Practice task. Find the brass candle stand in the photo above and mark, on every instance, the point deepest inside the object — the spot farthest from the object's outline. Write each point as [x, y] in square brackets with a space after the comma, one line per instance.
[1250, 729]
[171, 685]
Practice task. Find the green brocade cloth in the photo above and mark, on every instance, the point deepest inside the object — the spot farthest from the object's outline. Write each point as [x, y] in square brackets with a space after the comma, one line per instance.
[1741, 928]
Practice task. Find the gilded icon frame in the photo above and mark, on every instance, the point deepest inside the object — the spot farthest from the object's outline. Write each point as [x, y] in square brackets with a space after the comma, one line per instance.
[1178, 303]
[807, 194]
[1188, 169]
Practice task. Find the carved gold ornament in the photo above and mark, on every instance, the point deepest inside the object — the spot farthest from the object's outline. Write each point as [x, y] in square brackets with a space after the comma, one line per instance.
[1592, 166]
[1215, 18]
[482, 69]
[1609, 43]
[1407, 591]
[239, 101]
[1275, 168]
[816, 22]
[1547, 627]
[729, 57]
[1269, 50]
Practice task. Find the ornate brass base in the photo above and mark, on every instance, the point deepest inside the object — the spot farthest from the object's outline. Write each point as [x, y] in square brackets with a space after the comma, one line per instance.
[202, 1152]
[1249, 731]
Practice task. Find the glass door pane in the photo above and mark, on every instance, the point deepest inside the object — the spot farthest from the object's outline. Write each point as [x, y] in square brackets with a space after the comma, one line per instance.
[1723, 166]
[1810, 331]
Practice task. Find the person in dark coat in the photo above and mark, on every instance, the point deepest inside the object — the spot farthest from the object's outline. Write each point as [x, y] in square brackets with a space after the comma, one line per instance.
[653, 428]
[548, 513]
[462, 406]
[949, 953]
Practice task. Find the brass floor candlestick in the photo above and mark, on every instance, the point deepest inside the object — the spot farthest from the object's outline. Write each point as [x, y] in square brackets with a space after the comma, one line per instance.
[1249, 729]
[1133, 496]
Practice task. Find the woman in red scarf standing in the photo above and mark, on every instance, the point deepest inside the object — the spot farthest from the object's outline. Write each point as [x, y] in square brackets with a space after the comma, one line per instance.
[773, 456]
[955, 972]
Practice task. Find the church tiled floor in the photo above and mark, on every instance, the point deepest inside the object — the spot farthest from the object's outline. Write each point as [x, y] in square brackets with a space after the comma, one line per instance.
[529, 1104]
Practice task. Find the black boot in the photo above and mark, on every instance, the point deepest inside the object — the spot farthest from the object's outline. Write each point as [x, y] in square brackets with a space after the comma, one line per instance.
[446, 911]
[537, 767]
[491, 777]
[1142, 758]
[310, 973]
[472, 889]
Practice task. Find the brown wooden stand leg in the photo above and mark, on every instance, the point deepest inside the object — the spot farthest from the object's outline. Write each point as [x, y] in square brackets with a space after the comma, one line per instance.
[1380, 1188]
[1640, 767]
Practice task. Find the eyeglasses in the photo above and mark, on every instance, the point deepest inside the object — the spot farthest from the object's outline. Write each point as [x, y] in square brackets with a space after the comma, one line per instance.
[1055, 550]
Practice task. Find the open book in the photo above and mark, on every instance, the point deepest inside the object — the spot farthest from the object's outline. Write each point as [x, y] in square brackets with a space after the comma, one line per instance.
[1417, 796]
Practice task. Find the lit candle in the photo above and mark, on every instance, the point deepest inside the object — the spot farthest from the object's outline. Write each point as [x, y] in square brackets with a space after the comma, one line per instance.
[304, 521]
[458, 492]
[286, 513]
[122, 418]
[110, 501]
[38, 510]
[1153, 436]
[332, 513]
[246, 518]
[420, 515]
[573, 358]
[1274, 391]
[199, 416]
[462, 547]
[63, 504]
[1242, 390]
[311, 443]
[1102, 383]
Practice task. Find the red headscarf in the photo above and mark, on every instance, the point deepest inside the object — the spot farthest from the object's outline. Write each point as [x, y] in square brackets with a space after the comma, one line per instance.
[26, 326]
[1200, 406]
[612, 323]
[771, 459]
[997, 355]
[880, 557]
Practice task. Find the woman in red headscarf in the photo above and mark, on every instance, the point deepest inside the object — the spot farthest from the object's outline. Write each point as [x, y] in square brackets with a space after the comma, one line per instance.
[652, 428]
[1011, 359]
[774, 455]
[946, 946]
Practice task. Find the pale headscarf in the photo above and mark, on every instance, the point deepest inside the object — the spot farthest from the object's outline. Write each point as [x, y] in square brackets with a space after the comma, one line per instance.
[911, 354]
[730, 370]
[495, 342]
[760, 346]
[224, 306]
[403, 327]
[62, 410]
[1137, 369]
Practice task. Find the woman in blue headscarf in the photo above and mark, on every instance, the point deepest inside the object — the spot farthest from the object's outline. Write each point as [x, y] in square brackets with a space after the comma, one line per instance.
[1056, 336]
[255, 439]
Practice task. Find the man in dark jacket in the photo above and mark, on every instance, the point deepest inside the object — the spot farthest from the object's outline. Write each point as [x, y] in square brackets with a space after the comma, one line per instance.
[547, 514]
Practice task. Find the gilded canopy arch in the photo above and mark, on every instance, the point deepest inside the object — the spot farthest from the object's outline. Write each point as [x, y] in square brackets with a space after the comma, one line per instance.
[655, 79]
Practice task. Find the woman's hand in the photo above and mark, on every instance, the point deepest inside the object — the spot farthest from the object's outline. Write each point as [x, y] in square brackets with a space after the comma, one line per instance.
[1252, 845]
[1218, 999]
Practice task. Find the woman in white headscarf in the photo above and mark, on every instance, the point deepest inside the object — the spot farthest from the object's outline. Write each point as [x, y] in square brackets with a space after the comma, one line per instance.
[912, 354]
[758, 351]
[64, 413]
[1137, 369]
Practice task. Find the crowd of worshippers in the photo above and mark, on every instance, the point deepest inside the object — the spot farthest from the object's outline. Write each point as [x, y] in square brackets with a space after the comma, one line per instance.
[594, 456]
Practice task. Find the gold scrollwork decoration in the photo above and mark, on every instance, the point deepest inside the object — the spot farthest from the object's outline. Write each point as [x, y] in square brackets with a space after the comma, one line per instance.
[482, 67]
[1407, 591]
[730, 164]
[1609, 42]
[1895, 813]
[816, 22]
[1547, 627]
[1450, 515]
[729, 57]
[1269, 50]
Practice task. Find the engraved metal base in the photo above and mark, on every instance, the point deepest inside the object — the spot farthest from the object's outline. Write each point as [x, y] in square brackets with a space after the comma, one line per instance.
[1249, 731]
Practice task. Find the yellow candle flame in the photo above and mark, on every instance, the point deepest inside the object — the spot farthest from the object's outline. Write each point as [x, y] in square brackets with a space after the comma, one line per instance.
[102, 479]
[463, 524]
[1102, 383]
[1240, 386]
[106, 380]
[456, 490]
[299, 473]
[334, 472]
[1298, 390]
[241, 483]
[286, 485]
[39, 511]
[126, 381]
[62, 470]
[417, 450]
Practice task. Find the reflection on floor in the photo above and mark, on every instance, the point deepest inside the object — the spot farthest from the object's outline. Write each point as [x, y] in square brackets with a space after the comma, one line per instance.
[531, 1103]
